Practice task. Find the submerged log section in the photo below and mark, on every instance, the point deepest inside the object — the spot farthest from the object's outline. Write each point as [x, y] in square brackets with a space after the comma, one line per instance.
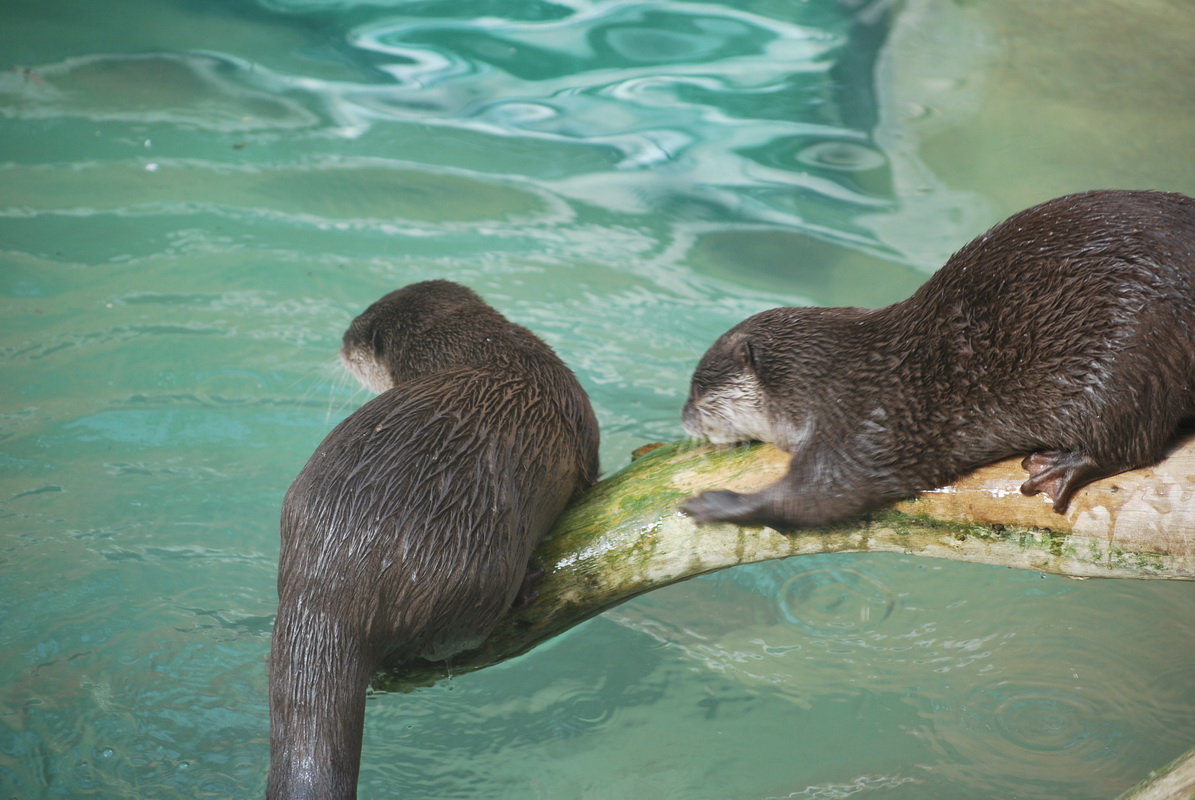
[625, 536]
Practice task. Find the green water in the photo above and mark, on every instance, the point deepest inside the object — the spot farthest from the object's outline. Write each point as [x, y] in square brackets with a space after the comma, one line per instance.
[195, 198]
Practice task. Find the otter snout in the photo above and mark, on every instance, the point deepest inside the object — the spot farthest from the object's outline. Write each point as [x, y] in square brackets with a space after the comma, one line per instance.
[728, 413]
[366, 367]
[690, 420]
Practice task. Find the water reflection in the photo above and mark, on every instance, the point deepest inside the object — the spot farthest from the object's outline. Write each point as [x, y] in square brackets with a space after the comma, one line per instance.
[754, 117]
[645, 81]
[210, 91]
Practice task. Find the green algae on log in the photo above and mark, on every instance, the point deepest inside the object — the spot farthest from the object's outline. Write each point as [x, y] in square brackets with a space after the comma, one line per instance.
[626, 535]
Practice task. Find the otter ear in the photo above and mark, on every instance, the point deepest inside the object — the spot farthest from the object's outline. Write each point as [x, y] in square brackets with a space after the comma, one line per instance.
[745, 355]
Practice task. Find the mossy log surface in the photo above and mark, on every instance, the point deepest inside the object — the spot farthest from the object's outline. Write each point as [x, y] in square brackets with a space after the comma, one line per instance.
[626, 536]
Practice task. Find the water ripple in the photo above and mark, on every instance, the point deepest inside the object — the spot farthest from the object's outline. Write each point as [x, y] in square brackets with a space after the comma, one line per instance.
[206, 91]
[1017, 703]
[835, 600]
[1012, 733]
[627, 75]
[629, 106]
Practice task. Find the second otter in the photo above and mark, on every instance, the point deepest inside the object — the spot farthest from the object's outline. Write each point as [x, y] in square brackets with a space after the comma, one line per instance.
[408, 532]
[1066, 332]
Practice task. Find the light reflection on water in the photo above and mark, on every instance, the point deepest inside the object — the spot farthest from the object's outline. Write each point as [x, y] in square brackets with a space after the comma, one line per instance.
[193, 205]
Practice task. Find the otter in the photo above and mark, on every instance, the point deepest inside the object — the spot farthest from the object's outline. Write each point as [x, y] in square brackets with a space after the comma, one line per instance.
[408, 533]
[1065, 333]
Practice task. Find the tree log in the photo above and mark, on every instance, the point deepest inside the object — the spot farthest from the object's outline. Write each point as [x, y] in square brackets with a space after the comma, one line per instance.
[626, 536]
[1175, 781]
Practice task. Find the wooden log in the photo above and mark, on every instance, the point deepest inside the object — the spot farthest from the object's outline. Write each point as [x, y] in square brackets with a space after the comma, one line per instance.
[626, 536]
[1175, 781]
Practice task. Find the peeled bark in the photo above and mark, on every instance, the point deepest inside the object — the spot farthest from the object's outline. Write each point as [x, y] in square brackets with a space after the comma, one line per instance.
[625, 536]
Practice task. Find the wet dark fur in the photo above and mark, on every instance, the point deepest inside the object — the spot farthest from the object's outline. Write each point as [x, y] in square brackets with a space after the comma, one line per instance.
[408, 533]
[1064, 332]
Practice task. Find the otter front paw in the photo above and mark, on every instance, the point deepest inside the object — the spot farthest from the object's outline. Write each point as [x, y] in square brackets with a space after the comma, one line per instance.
[718, 506]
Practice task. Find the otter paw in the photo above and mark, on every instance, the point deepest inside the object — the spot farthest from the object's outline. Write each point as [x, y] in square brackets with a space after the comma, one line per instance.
[717, 506]
[1059, 475]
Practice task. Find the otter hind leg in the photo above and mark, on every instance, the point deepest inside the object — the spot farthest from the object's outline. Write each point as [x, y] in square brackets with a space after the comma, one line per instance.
[1060, 474]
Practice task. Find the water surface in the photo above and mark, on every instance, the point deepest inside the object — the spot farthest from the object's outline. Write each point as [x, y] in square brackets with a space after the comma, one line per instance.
[195, 198]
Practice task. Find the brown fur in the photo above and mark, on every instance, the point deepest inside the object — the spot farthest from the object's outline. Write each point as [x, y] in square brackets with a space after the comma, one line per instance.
[1066, 332]
[408, 533]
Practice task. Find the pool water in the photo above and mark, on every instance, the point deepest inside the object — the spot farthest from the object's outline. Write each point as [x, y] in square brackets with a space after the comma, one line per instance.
[196, 197]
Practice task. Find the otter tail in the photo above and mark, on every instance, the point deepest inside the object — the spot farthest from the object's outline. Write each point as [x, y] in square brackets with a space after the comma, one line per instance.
[319, 674]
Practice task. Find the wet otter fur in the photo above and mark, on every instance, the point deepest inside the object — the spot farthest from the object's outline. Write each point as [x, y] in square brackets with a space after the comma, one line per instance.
[408, 533]
[1066, 332]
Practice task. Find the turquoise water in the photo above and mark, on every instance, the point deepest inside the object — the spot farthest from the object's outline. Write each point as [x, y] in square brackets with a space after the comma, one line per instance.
[195, 198]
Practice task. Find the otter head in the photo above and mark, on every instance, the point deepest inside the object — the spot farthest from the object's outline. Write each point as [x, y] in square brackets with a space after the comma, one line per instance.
[416, 330]
[728, 396]
[767, 378]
